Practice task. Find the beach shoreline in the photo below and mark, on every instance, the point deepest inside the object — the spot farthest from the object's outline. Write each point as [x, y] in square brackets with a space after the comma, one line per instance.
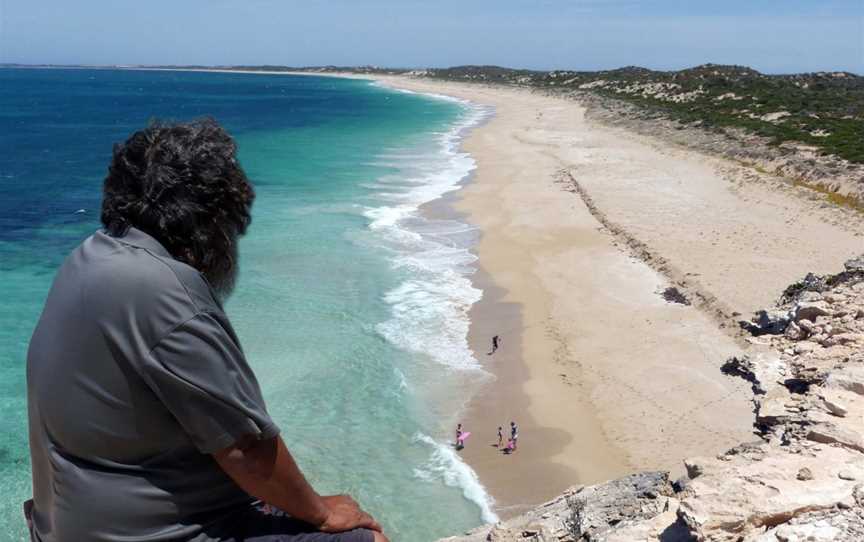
[538, 476]
[603, 374]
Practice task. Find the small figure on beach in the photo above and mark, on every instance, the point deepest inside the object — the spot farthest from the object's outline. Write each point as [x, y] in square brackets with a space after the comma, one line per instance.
[496, 342]
[514, 435]
[460, 437]
[500, 437]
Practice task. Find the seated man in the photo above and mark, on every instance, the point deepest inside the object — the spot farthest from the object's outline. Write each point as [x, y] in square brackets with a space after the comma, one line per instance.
[146, 422]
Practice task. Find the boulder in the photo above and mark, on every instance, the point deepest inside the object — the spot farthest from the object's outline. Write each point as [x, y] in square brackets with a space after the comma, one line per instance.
[771, 407]
[739, 498]
[828, 433]
[763, 369]
[846, 474]
[855, 265]
[794, 332]
[596, 510]
[839, 524]
[810, 311]
[664, 526]
[834, 407]
[849, 378]
[807, 326]
[694, 466]
[770, 322]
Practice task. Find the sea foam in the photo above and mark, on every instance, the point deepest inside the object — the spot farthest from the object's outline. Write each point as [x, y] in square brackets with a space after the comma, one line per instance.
[429, 308]
[445, 465]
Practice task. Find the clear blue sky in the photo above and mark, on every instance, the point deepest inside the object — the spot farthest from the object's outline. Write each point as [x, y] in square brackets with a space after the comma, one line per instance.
[771, 36]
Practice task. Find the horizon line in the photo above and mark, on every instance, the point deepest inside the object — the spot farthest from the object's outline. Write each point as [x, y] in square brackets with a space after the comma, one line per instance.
[287, 68]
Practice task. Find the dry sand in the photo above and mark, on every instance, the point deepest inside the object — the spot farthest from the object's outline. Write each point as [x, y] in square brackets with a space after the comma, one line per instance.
[602, 374]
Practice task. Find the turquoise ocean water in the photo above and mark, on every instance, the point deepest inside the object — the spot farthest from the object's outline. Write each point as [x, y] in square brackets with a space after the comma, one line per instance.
[351, 305]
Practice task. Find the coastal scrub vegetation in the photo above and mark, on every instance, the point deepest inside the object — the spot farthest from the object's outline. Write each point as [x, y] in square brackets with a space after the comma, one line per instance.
[824, 110]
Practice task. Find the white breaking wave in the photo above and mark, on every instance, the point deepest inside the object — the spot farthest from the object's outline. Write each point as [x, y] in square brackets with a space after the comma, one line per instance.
[445, 465]
[431, 317]
[429, 309]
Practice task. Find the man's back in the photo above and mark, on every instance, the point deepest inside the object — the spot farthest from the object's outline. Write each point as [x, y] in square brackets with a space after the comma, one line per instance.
[134, 377]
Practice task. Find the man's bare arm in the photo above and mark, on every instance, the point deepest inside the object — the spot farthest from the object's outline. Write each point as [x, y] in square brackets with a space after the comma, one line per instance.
[266, 470]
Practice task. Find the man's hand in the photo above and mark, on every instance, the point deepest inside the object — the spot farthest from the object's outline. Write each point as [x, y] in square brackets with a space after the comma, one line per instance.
[345, 514]
[266, 470]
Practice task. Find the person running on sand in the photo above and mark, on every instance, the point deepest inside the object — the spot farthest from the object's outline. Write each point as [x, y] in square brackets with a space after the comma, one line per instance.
[500, 436]
[496, 342]
[514, 434]
[460, 442]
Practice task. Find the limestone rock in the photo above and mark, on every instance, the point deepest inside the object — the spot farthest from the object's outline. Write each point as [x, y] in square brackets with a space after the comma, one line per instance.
[810, 311]
[820, 531]
[807, 326]
[847, 475]
[855, 265]
[848, 378]
[762, 368]
[664, 526]
[771, 322]
[771, 407]
[834, 407]
[840, 524]
[828, 433]
[595, 510]
[740, 497]
[794, 332]
[694, 467]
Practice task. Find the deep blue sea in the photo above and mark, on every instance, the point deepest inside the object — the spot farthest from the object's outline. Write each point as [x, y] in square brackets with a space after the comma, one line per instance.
[351, 305]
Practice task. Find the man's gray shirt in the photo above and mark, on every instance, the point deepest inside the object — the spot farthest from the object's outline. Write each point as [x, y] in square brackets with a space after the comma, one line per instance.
[135, 376]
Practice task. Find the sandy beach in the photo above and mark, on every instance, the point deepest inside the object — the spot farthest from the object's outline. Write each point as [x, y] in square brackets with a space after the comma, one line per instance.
[603, 375]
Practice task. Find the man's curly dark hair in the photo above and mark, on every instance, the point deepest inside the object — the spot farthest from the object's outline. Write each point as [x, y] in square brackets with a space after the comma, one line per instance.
[181, 184]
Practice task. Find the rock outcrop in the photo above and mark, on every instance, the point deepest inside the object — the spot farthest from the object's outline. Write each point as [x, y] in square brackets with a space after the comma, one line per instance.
[630, 508]
[803, 479]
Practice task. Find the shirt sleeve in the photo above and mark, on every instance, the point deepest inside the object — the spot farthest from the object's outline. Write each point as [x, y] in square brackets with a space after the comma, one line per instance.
[200, 374]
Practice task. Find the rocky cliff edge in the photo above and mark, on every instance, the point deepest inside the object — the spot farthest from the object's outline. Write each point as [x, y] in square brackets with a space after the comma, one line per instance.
[802, 478]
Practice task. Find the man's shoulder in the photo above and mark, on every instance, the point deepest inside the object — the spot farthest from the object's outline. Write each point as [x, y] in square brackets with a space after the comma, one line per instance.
[140, 277]
[176, 275]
